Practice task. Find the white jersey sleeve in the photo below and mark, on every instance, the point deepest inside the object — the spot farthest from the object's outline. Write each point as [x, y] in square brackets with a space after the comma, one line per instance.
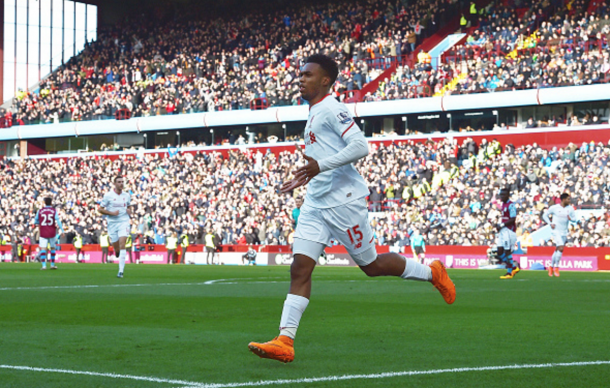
[356, 149]
[328, 126]
[547, 213]
[105, 202]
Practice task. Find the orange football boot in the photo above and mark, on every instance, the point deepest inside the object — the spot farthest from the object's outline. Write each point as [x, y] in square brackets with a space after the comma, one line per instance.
[440, 280]
[280, 348]
[557, 271]
[516, 270]
[551, 271]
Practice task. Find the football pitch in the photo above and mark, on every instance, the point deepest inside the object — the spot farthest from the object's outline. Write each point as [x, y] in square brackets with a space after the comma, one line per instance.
[189, 326]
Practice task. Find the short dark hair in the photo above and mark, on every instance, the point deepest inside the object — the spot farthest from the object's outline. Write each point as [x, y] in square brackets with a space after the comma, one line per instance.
[564, 196]
[48, 201]
[327, 64]
[117, 177]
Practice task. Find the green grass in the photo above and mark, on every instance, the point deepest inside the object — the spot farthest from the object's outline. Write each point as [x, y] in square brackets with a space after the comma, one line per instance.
[353, 325]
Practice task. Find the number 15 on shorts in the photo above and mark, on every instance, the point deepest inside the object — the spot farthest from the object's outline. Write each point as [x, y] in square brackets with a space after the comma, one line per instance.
[355, 236]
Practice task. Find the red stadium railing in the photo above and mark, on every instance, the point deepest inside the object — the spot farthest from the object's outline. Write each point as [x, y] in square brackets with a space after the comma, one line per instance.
[6, 122]
[122, 114]
[259, 104]
[386, 62]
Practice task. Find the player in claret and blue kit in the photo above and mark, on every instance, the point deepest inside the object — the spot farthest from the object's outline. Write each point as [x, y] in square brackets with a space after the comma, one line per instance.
[335, 207]
[48, 222]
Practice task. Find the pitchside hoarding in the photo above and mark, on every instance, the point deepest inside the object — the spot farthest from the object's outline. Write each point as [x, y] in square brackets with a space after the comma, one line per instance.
[570, 263]
[331, 259]
[465, 261]
[574, 259]
[225, 258]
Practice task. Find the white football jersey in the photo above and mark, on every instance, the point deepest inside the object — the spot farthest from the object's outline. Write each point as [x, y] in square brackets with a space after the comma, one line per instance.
[113, 202]
[328, 125]
[560, 218]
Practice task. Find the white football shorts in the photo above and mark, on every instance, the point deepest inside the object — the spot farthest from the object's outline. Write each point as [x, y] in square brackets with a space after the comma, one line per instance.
[348, 224]
[559, 239]
[118, 229]
[44, 243]
[506, 239]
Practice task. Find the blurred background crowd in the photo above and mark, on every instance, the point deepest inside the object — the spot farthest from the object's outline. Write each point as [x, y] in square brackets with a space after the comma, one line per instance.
[446, 191]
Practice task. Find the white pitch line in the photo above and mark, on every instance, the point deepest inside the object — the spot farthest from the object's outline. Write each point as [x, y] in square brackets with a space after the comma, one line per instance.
[191, 384]
[395, 374]
[98, 374]
[104, 286]
[206, 283]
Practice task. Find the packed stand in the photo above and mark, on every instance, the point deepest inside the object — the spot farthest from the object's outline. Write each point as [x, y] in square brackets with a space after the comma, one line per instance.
[195, 64]
[446, 191]
[545, 48]
[548, 44]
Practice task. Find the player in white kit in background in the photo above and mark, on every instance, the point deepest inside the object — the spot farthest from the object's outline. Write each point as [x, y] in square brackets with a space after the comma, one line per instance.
[115, 206]
[335, 207]
[562, 214]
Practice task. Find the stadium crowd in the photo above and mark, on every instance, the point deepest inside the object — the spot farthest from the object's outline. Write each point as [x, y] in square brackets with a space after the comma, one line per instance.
[547, 45]
[150, 67]
[138, 68]
[444, 190]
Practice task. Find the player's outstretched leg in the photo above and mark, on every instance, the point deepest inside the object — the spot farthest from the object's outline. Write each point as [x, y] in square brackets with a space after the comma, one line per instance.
[393, 264]
[281, 348]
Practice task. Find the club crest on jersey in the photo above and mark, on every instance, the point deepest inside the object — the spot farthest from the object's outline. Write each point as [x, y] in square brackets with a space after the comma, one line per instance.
[344, 118]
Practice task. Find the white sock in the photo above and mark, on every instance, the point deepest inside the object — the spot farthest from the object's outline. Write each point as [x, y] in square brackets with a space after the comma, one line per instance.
[294, 306]
[122, 255]
[416, 271]
[556, 258]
